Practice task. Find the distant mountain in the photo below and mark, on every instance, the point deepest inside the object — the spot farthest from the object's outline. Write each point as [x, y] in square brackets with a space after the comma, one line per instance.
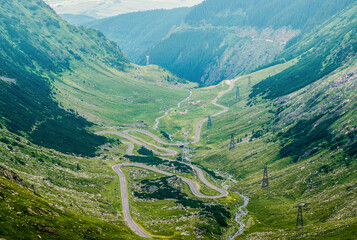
[322, 51]
[217, 39]
[221, 39]
[136, 32]
[77, 20]
[109, 8]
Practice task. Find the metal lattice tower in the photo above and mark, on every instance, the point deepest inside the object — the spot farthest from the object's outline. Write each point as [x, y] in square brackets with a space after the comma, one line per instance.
[147, 60]
[265, 178]
[232, 144]
[237, 93]
[249, 81]
[209, 122]
[300, 220]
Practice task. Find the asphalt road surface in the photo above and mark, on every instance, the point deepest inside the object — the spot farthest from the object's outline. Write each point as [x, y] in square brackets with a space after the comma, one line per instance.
[194, 187]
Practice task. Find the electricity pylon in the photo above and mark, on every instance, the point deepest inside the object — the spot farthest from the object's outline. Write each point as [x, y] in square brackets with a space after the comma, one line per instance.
[209, 123]
[232, 144]
[249, 81]
[299, 219]
[265, 178]
[237, 93]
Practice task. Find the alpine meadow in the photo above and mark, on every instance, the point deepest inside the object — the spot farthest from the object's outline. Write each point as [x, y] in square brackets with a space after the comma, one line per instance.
[226, 120]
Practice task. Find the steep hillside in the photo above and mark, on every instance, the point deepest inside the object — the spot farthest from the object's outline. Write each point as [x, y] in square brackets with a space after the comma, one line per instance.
[322, 51]
[33, 217]
[38, 50]
[36, 46]
[208, 55]
[298, 14]
[136, 32]
[254, 33]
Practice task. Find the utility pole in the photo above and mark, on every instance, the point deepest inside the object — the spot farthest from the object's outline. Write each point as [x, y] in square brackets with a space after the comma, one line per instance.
[300, 220]
[265, 178]
[250, 81]
[209, 123]
[232, 144]
[237, 93]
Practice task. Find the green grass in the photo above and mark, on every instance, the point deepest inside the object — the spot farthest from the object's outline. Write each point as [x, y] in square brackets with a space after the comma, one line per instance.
[324, 179]
[109, 97]
[177, 123]
[33, 217]
[86, 194]
[177, 218]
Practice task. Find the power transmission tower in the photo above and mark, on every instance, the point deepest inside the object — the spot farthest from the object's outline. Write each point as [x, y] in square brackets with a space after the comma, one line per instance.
[147, 60]
[300, 220]
[249, 81]
[265, 178]
[209, 123]
[232, 144]
[237, 93]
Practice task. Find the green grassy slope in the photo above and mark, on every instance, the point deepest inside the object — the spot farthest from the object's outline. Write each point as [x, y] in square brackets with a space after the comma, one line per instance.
[25, 215]
[51, 54]
[64, 197]
[110, 97]
[307, 139]
[36, 45]
[313, 160]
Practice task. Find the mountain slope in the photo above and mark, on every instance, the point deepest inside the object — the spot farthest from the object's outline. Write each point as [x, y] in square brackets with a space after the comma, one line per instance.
[322, 51]
[33, 217]
[300, 14]
[35, 57]
[39, 57]
[136, 32]
[255, 33]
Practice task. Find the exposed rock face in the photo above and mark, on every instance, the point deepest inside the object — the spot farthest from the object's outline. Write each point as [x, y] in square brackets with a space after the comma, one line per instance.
[12, 176]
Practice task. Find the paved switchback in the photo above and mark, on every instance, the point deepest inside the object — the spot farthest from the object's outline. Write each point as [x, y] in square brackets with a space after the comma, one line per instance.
[194, 187]
[214, 102]
[157, 120]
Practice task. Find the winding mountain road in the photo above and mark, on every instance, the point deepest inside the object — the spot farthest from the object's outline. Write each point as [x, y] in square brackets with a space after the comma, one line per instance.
[214, 102]
[194, 187]
[152, 147]
[125, 204]
[157, 120]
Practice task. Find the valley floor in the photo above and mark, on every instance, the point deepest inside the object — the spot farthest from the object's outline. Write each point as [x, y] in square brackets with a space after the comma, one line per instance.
[157, 204]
